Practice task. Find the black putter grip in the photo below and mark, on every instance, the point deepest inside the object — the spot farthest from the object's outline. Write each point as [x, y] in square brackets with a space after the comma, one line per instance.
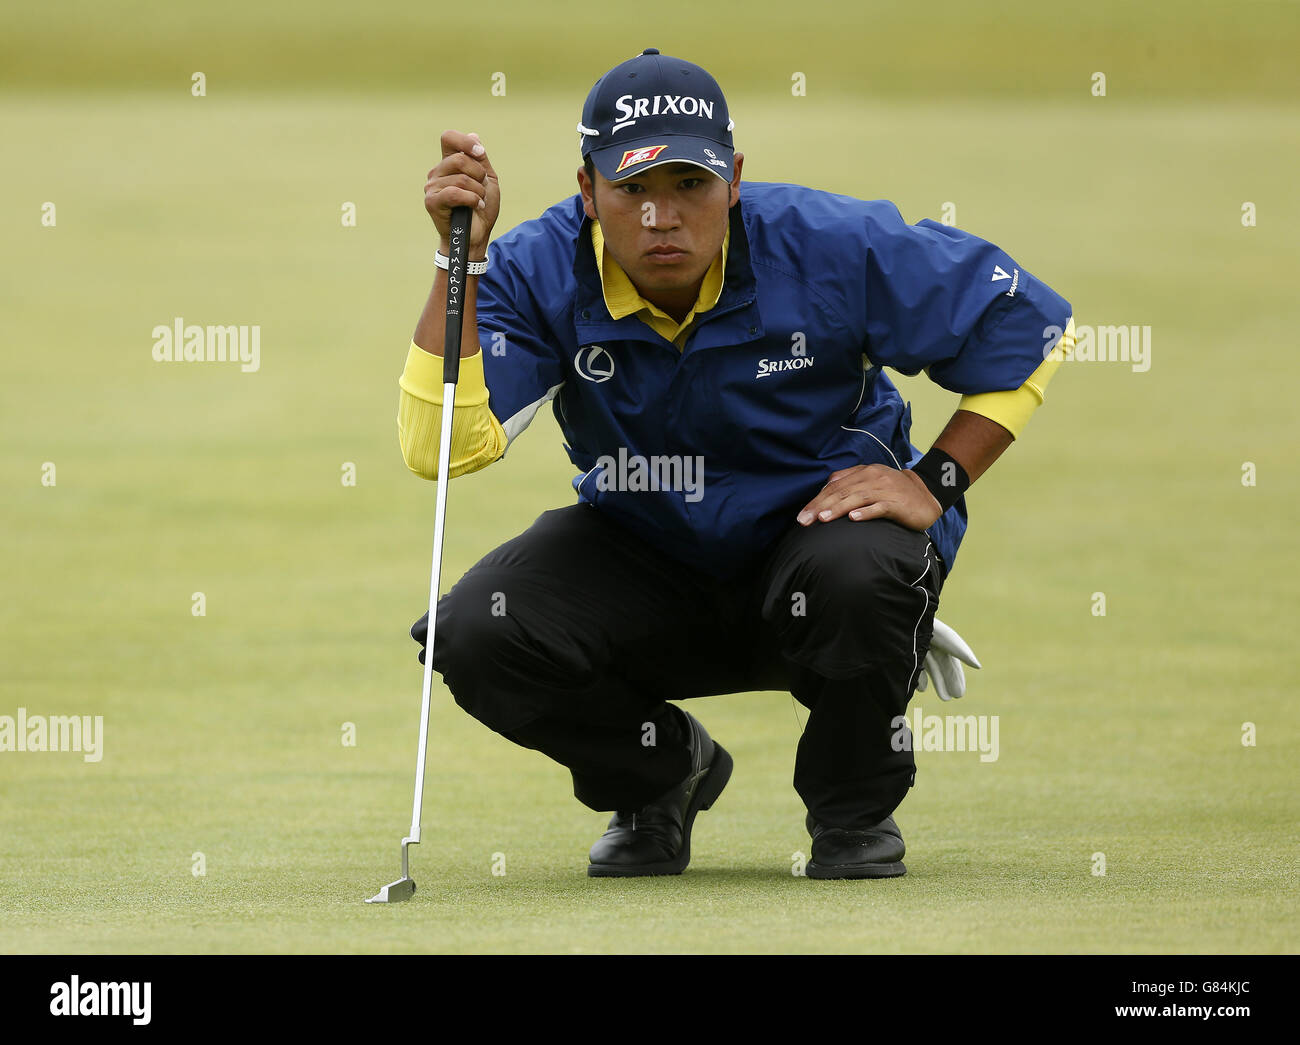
[457, 255]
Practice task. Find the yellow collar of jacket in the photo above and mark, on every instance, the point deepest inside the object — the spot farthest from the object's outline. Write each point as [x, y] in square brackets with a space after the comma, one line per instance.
[622, 299]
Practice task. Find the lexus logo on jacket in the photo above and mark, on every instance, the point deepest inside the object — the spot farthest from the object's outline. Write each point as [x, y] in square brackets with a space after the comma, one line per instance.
[594, 363]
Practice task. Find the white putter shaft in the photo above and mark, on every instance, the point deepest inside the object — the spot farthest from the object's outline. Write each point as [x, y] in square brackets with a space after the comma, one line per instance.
[404, 887]
[461, 223]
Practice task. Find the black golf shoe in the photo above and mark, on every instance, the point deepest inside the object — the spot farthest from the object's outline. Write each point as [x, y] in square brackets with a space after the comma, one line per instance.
[657, 839]
[876, 852]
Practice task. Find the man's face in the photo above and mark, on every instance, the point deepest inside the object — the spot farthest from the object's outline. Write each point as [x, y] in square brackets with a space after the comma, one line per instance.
[678, 205]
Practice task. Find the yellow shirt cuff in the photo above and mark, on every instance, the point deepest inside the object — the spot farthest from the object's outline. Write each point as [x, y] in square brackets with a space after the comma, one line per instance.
[1013, 409]
[477, 438]
[422, 378]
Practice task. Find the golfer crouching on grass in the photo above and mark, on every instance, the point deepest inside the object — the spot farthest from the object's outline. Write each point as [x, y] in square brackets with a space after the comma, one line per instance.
[750, 514]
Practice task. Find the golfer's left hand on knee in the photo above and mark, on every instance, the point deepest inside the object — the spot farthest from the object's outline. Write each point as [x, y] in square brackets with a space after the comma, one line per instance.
[873, 491]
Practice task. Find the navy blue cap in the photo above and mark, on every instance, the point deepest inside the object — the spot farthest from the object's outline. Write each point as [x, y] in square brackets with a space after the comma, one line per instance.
[652, 110]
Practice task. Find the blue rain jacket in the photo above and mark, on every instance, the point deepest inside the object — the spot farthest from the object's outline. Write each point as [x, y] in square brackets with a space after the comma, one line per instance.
[782, 382]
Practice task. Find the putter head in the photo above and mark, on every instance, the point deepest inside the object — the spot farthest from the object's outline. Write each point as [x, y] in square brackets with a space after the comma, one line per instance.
[396, 892]
[404, 887]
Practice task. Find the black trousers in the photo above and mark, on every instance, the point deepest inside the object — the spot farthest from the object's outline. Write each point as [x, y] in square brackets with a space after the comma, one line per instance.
[569, 639]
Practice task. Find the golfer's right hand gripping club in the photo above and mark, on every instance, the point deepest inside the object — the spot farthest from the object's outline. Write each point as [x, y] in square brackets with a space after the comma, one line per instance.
[461, 218]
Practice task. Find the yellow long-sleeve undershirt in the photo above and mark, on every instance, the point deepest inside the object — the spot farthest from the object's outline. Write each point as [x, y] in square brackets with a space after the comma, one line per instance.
[477, 438]
[1013, 409]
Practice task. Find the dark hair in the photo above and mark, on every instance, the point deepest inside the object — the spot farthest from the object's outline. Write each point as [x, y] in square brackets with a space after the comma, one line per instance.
[590, 168]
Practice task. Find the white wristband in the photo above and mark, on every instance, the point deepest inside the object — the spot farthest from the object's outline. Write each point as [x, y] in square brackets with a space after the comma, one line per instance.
[472, 268]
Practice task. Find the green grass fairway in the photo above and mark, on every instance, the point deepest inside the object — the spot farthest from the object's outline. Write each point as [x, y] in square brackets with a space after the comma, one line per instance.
[1119, 734]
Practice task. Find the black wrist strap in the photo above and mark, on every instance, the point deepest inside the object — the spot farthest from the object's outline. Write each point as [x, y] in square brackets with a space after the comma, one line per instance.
[943, 477]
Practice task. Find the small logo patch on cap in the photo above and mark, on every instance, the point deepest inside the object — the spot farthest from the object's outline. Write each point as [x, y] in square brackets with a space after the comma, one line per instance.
[641, 155]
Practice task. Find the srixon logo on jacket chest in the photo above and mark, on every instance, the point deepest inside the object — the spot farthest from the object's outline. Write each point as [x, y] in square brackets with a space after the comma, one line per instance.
[768, 367]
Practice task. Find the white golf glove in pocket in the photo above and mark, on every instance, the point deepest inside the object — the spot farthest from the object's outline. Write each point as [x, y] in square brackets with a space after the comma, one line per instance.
[943, 663]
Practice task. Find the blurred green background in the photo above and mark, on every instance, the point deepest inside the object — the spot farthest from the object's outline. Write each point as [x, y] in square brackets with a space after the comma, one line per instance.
[1119, 734]
[933, 49]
